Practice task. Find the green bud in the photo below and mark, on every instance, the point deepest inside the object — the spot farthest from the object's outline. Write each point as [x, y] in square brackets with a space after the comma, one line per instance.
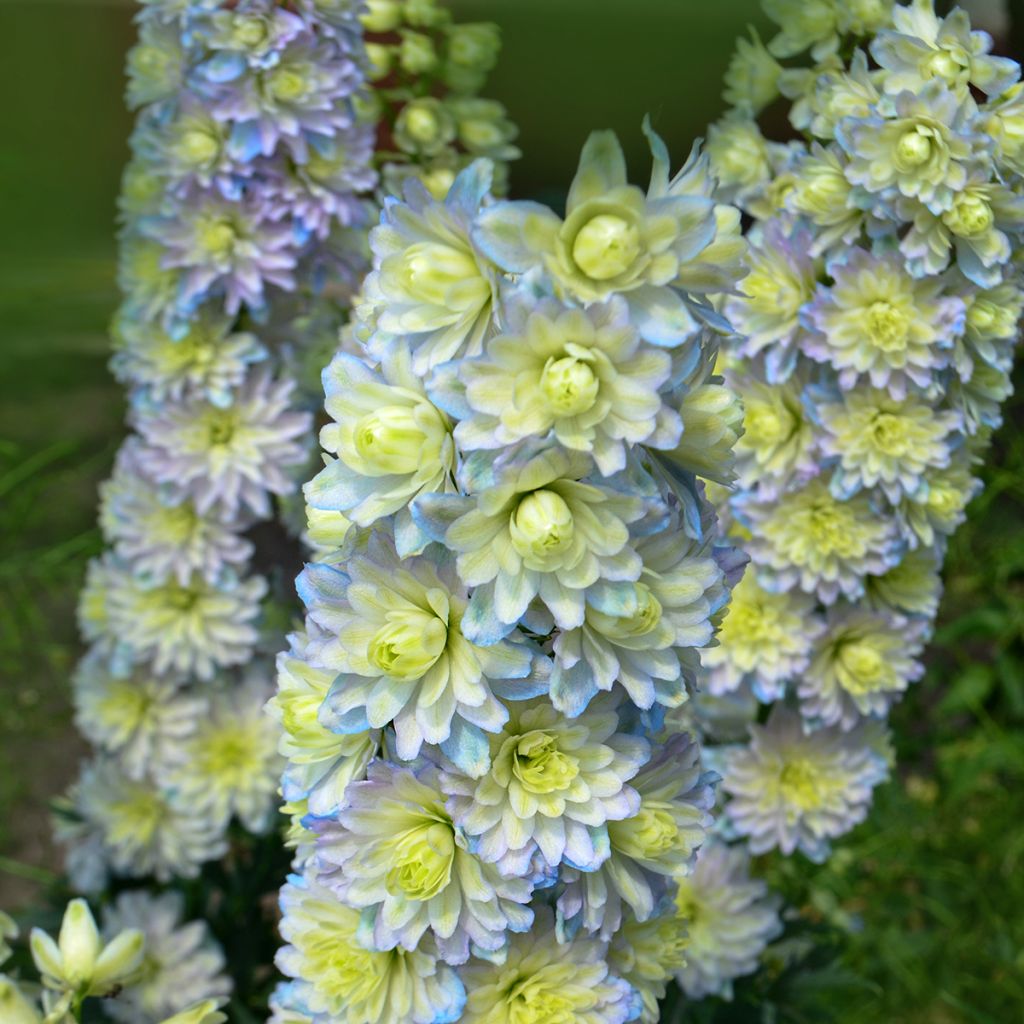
[474, 46]
[913, 149]
[379, 58]
[417, 54]
[381, 15]
[970, 216]
[430, 270]
[392, 440]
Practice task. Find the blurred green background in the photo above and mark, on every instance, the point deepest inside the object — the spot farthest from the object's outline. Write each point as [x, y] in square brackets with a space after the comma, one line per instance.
[919, 917]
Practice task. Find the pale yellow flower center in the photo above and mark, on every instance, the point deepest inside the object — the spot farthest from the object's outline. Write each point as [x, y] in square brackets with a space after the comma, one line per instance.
[569, 385]
[247, 31]
[430, 270]
[287, 84]
[942, 64]
[423, 860]
[890, 435]
[643, 621]
[229, 757]
[542, 527]
[798, 782]
[914, 149]
[829, 527]
[220, 426]
[863, 664]
[391, 440]
[971, 215]
[216, 237]
[650, 834]
[540, 766]
[888, 327]
[766, 424]
[198, 147]
[408, 643]
[606, 246]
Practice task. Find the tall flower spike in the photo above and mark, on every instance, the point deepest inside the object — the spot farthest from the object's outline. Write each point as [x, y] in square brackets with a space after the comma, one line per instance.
[523, 571]
[881, 312]
[258, 144]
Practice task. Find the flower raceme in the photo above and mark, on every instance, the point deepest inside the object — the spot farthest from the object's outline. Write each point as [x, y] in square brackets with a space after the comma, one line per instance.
[521, 416]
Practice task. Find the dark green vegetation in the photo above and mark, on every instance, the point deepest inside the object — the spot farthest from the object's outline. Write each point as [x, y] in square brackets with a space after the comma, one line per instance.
[918, 919]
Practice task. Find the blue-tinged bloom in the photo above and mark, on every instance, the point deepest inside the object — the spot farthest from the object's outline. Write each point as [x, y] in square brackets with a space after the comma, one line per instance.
[912, 586]
[729, 920]
[938, 507]
[230, 765]
[884, 442]
[193, 628]
[581, 377]
[877, 323]
[861, 664]
[765, 639]
[615, 239]
[922, 46]
[430, 284]
[394, 852]
[210, 358]
[823, 544]
[339, 981]
[781, 280]
[321, 763]
[978, 230]
[392, 633]
[921, 145]
[235, 455]
[278, 93]
[156, 65]
[792, 790]
[231, 249]
[182, 964]
[542, 980]
[533, 527]
[159, 531]
[392, 443]
[142, 719]
[647, 849]
[646, 955]
[644, 635]
[553, 786]
[145, 829]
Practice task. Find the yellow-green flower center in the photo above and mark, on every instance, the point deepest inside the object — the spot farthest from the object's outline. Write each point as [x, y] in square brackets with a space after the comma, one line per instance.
[391, 440]
[621, 627]
[540, 766]
[408, 643]
[569, 385]
[649, 834]
[863, 665]
[942, 64]
[971, 215]
[287, 84]
[767, 424]
[890, 435]
[422, 865]
[888, 326]
[431, 270]
[216, 237]
[248, 32]
[220, 426]
[914, 149]
[198, 147]
[798, 782]
[542, 527]
[606, 246]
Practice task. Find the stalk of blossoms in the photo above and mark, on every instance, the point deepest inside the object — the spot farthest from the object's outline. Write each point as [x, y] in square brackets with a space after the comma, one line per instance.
[491, 816]
[876, 333]
[254, 158]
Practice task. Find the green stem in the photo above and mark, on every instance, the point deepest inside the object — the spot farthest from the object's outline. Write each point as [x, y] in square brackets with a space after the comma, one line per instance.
[10, 866]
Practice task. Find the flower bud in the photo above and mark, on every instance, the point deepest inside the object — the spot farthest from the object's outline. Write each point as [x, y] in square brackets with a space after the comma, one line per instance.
[381, 15]
[390, 440]
[474, 46]
[606, 246]
[378, 59]
[542, 528]
[970, 216]
[424, 126]
[14, 1007]
[540, 766]
[913, 149]
[417, 54]
[432, 271]
[650, 833]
